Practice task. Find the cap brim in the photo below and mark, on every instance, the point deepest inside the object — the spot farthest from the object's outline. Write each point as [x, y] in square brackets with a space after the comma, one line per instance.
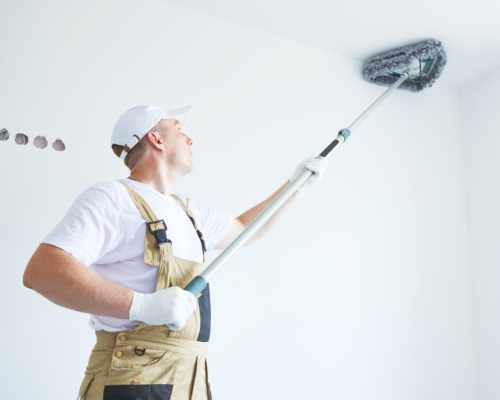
[176, 112]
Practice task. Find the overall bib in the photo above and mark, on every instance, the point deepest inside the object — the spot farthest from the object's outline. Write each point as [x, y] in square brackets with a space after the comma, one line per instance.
[151, 362]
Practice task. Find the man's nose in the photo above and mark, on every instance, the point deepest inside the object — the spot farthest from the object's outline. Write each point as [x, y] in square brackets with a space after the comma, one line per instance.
[189, 141]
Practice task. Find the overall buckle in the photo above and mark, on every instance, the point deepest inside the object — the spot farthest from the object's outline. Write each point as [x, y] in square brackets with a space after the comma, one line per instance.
[159, 230]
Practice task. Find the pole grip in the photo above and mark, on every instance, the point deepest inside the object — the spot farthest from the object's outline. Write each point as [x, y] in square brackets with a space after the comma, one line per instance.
[196, 286]
[342, 136]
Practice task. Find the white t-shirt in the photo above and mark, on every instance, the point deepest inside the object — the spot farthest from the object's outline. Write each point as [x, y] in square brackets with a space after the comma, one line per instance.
[104, 230]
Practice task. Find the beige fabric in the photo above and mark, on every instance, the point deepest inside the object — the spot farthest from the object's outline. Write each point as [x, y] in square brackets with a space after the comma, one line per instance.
[147, 356]
[151, 354]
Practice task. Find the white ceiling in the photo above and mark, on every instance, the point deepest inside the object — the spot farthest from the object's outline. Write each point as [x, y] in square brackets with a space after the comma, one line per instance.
[469, 30]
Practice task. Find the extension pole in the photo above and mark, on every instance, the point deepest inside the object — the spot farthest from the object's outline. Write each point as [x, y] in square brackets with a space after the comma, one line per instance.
[199, 282]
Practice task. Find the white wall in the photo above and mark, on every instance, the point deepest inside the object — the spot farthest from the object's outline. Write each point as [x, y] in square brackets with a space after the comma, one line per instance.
[362, 292]
[480, 105]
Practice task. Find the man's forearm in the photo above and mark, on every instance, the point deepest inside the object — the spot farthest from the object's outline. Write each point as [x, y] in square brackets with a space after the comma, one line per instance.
[60, 278]
[248, 216]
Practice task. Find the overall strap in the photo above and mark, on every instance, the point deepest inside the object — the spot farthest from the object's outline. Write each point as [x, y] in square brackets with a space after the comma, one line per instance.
[204, 299]
[157, 246]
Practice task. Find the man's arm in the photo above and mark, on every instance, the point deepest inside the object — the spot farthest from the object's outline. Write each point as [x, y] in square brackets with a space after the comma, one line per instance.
[59, 277]
[243, 220]
[317, 165]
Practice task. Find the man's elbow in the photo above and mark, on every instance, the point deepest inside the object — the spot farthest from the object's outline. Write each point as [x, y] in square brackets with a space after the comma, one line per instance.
[39, 261]
[28, 276]
[26, 279]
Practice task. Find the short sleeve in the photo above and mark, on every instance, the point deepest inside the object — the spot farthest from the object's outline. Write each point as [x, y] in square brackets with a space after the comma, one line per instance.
[91, 227]
[214, 224]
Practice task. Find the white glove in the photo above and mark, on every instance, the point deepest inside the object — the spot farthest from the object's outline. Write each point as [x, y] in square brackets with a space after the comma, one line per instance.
[317, 165]
[172, 306]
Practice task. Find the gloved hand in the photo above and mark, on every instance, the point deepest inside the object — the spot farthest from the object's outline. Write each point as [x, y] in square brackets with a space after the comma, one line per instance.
[172, 306]
[317, 165]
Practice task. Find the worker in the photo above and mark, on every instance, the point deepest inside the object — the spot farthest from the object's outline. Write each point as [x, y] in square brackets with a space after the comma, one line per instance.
[125, 250]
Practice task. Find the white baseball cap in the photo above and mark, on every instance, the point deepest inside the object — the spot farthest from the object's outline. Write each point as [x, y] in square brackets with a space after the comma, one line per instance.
[134, 123]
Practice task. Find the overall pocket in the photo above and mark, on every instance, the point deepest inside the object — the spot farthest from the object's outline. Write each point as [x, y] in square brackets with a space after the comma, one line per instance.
[136, 357]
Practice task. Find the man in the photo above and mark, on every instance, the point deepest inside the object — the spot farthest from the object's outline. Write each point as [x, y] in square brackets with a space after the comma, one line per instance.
[143, 244]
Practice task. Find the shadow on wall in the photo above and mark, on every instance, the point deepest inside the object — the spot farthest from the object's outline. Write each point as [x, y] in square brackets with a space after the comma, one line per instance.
[40, 142]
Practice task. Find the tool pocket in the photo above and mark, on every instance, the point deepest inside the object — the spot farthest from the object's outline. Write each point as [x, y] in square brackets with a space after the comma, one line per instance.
[134, 392]
[84, 387]
[132, 357]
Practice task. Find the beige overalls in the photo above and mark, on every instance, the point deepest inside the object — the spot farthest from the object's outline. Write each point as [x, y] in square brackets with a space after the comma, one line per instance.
[151, 362]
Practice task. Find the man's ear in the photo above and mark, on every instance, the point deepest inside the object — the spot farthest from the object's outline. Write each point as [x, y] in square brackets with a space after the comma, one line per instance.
[154, 138]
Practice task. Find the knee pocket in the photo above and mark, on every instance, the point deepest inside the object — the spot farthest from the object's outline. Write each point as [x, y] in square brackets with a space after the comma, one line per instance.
[134, 392]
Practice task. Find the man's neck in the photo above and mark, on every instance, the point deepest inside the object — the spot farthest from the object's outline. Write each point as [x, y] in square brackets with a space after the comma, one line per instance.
[160, 179]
